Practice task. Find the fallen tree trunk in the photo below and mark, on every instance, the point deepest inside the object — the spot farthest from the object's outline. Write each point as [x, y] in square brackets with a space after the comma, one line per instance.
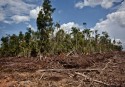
[63, 70]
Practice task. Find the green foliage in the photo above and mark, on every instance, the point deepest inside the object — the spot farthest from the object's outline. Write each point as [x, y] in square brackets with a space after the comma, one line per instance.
[47, 41]
[44, 24]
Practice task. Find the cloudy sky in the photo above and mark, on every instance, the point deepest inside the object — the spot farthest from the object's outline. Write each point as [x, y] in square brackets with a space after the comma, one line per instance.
[103, 15]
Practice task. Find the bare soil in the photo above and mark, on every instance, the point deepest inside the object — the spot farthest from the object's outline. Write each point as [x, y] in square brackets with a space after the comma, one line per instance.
[96, 70]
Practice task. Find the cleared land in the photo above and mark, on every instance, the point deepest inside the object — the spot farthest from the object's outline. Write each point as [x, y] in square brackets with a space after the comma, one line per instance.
[96, 70]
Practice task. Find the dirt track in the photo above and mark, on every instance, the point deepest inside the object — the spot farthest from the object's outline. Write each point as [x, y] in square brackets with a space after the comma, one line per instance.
[97, 70]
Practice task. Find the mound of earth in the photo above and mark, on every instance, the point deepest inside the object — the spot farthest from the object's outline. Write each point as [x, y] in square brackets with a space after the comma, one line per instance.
[96, 70]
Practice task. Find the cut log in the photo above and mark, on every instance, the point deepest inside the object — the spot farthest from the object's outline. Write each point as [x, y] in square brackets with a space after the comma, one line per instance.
[91, 79]
[63, 70]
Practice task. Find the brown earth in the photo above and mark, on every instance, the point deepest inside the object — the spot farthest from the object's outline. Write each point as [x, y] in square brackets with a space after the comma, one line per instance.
[96, 70]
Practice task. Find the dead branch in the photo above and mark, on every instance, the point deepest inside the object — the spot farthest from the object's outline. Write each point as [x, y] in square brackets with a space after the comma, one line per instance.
[91, 79]
[75, 70]
[69, 53]
[107, 64]
[73, 53]
[42, 76]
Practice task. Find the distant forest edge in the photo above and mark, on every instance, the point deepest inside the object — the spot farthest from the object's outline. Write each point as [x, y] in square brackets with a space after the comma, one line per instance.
[45, 41]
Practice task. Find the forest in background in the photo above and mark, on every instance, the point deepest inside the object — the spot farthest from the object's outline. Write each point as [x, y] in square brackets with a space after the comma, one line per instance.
[46, 41]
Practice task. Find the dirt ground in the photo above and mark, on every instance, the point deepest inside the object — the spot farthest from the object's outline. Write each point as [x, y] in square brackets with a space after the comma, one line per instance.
[96, 70]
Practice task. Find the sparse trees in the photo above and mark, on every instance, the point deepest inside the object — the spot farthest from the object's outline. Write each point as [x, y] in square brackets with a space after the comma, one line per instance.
[46, 40]
[5, 46]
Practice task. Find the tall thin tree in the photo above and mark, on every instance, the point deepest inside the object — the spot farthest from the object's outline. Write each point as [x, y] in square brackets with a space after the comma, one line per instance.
[44, 24]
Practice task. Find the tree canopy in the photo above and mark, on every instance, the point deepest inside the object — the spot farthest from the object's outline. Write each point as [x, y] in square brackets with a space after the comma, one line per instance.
[44, 41]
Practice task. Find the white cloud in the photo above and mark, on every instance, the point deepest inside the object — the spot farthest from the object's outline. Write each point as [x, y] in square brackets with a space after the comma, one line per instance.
[122, 7]
[16, 11]
[100, 20]
[107, 3]
[9, 8]
[31, 1]
[34, 12]
[67, 26]
[92, 3]
[30, 26]
[15, 6]
[1, 16]
[18, 19]
[79, 5]
[114, 24]
[8, 22]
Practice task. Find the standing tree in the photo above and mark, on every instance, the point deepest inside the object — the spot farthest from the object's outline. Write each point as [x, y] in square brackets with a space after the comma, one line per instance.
[44, 24]
[5, 46]
[75, 36]
[60, 36]
[14, 45]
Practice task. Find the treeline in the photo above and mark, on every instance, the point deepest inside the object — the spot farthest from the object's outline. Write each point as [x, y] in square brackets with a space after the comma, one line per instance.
[46, 41]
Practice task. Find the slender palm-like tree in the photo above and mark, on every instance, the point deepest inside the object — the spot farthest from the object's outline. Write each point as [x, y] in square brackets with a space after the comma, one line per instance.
[68, 43]
[60, 36]
[96, 41]
[75, 37]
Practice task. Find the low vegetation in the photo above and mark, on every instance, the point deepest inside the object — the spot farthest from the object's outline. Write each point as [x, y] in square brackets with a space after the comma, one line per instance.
[46, 41]
[79, 58]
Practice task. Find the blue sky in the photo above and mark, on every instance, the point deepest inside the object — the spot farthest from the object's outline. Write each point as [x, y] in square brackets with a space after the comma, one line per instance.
[103, 15]
[67, 12]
